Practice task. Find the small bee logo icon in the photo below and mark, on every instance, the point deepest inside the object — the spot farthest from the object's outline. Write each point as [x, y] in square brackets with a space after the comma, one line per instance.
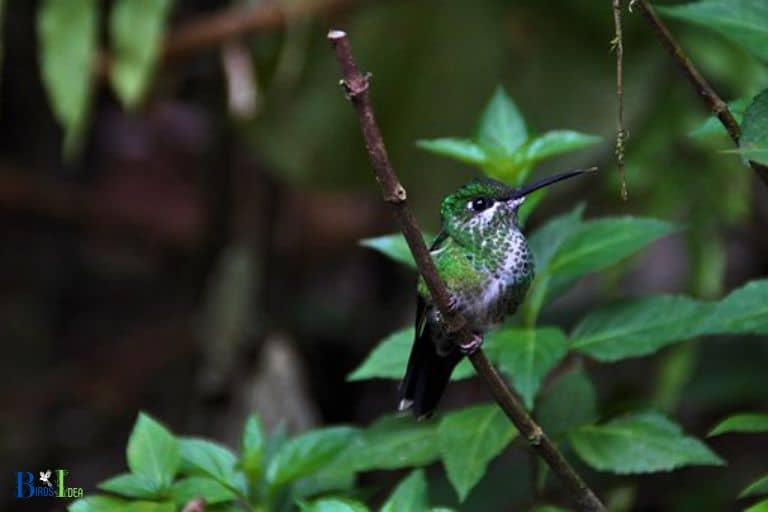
[45, 478]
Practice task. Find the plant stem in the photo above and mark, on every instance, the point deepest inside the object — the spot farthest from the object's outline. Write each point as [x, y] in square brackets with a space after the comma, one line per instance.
[356, 87]
[699, 83]
[621, 132]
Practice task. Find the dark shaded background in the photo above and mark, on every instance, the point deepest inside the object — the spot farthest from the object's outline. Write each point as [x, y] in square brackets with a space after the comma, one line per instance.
[198, 263]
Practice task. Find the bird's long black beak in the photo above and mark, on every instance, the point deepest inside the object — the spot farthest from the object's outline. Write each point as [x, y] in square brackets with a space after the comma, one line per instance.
[549, 180]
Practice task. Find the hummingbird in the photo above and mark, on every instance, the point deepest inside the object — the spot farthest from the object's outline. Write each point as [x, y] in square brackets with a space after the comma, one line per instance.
[484, 259]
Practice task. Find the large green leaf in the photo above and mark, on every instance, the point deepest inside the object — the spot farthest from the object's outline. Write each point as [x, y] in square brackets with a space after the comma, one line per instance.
[153, 452]
[130, 485]
[760, 506]
[333, 504]
[558, 142]
[743, 21]
[744, 422]
[754, 130]
[107, 504]
[756, 488]
[569, 403]
[502, 128]
[203, 457]
[410, 494]
[393, 443]
[743, 311]
[97, 503]
[638, 327]
[335, 477]
[253, 445]
[388, 360]
[307, 453]
[469, 440]
[639, 443]
[136, 31]
[528, 354]
[67, 32]
[597, 244]
[463, 150]
[390, 357]
[209, 489]
[394, 246]
[546, 241]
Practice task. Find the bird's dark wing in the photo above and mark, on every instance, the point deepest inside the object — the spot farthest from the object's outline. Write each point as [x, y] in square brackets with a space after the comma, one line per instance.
[428, 372]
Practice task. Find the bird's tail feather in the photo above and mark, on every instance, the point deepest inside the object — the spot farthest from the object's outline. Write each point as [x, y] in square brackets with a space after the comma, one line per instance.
[427, 376]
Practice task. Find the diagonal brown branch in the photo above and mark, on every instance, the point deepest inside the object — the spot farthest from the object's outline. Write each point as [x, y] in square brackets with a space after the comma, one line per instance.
[699, 83]
[215, 29]
[356, 87]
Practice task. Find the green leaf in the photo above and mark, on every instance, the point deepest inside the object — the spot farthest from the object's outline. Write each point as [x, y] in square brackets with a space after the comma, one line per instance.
[149, 506]
[201, 487]
[528, 355]
[639, 327]
[97, 503]
[336, 476]
[502, 128]
[469, 440]
[388, 360]
[136, 31]
[203, 457]
[569, 403]
[545, 241]
[307, 453]
[744, 422]
[558, 142]
[639, 443]
[744, 22]
[760, 506]
[393, 443]
[743, 311]
[393, 246]
[253, 444]
[754, 129]
[410, 494]
[548, 508]
[463, 150]
[713, 126]
[756, 488]
[130, 485]
[108, 504]
[600, 243]
[153, 452]
[332, 504]
[67, 32]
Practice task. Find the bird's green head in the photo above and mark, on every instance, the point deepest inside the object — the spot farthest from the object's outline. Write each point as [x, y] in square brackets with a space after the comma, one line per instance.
[484, 207]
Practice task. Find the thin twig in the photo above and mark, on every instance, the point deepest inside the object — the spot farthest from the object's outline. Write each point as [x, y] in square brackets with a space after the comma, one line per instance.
[356, 88]
[699, 83]
[621, 133]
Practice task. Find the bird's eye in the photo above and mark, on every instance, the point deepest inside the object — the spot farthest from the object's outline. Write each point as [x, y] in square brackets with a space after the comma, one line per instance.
[480, 204]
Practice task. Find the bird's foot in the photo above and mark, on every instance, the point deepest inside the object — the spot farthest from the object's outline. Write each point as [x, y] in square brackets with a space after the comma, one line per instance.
[472, 345]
